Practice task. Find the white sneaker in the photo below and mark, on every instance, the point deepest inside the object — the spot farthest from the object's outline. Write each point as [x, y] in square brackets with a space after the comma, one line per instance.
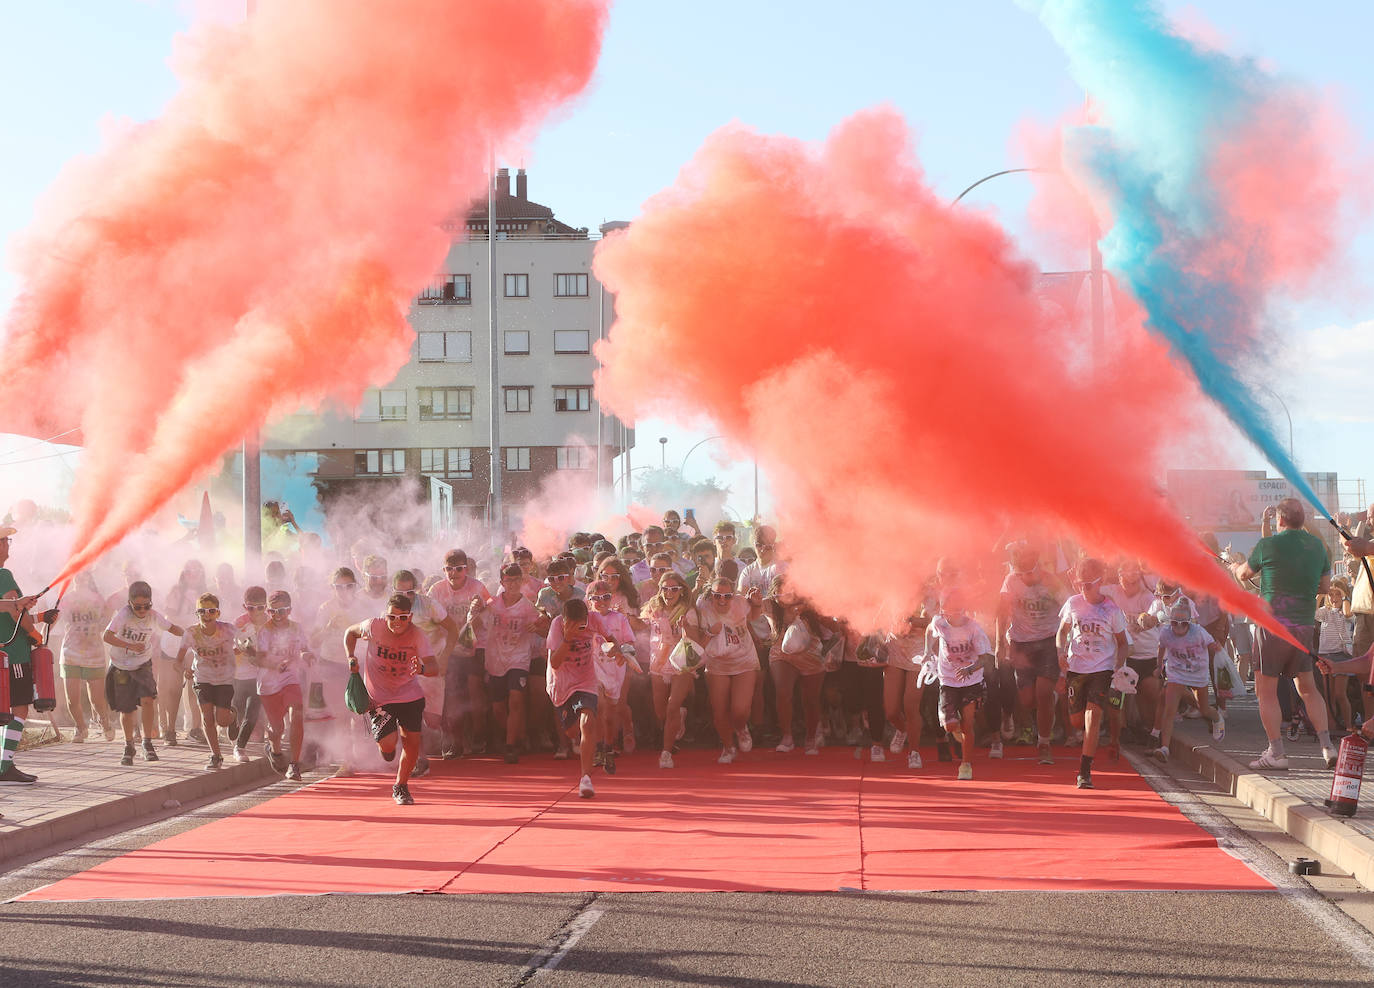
[1162, 753]
[1219, 727]
[996, 750]
[1329, 757]
[585, 789]
[665, 759]
[898, 742]
[875, 754]
[746, 740]
[965, 772]
[240, 755]
[786, 744]
[727, 755]
[1267, 760]
[913, 760]
[813, 747]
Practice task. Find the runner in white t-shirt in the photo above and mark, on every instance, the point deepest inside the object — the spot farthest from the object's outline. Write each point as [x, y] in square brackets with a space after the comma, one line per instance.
[83, 621]
[397, 654]
[465, 701]
[732, 665]
[962, 653]
[1027, 619]
[210, 643]
[282, 654]
[1143, 617]
[671, 618]
[1092, 646]
[573, 684]
[615, 656]
[903, 688]
[1186, 650]
[130, 684]
[511, 620]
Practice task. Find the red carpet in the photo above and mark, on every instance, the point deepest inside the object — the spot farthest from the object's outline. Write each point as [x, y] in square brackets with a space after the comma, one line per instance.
[769, 822]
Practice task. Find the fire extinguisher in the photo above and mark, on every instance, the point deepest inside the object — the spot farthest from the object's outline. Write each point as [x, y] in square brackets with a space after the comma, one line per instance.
[1345, 784]
[44, 678]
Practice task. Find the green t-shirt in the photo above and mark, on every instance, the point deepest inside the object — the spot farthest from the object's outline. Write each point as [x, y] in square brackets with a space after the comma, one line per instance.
[1291, 564]
[17, 650]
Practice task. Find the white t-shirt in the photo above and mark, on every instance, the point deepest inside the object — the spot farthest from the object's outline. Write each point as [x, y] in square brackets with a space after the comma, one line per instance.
[1144, 641]
[246, 633]
[610, 674]
[134, 628]
[332, 621]
[510, 627]
[957, 651]
[1334, 628]
[1185, 657]
[212, 655]
[83, 622]
[1092, 633]
[427, 614]
[729, 649]
[1034, 609]
[457, 602]
[277, 646]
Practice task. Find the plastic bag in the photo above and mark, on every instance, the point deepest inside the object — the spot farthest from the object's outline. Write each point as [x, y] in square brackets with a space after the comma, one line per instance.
[685, 656]
[832, 653]
[796, 638]
[1226, 668]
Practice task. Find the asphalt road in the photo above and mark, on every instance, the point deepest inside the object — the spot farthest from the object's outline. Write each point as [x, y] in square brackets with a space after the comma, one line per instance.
[1288, 937]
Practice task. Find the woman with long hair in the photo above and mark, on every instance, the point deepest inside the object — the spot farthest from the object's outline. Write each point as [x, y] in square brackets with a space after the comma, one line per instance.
[796, 659]
[671, 617]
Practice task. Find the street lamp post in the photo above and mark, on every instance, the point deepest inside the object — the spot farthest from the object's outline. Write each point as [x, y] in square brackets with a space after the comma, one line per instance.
[663, 452]
[1287, 414]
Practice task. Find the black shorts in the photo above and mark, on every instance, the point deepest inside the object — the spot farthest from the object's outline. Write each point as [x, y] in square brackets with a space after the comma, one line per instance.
[569, 714]
[214, 695]
[953, 700]
[499, 688]
[1094, 688]
[21, 685]
[1279, 658]
[1034, 660]
[408, 716]
[1144, 668]
[125, 689]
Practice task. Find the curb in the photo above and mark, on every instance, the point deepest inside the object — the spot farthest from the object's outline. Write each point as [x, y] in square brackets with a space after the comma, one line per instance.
[30, 840]
[1333, 840]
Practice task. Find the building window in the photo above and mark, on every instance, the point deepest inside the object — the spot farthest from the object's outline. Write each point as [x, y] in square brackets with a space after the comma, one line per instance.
[386, 405]
[518, 341]
[517, 457]
[518, 399]
[448, 289]
[570, 286]
[517, 286]
[379, 462]
[451, 348]
[572, 399]
[570, 341]
[574, 458]
[450, 462]
[445, 403]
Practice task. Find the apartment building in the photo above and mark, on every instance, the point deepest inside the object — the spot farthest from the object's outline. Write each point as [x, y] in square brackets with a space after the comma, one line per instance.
[433, 419]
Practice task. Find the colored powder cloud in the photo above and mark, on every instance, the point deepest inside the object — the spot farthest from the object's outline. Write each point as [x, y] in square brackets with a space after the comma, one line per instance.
[1222, 184]
[887, 358]
[256, 247]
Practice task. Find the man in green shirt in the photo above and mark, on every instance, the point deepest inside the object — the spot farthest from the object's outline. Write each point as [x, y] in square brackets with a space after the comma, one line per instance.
[20, 672]
[1293, 566]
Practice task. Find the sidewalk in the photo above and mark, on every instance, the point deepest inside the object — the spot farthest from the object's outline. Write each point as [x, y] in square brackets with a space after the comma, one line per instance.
[82, 788]
[1292, 800]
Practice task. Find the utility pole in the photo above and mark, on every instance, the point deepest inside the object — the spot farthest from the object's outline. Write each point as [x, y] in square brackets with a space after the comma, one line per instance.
[494, 379]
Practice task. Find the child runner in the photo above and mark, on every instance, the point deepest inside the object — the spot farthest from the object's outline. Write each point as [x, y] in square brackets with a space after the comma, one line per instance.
[84, 619]
[1027, 617]
[281, 654]
[902, 689]
[561, 589]
[464, 698]
[510, 625]
[397, 652]
[617, 632]
[130, 683]
[247, 707]
[211, 644]
[572, 681]
[732, 665]
[961, 651]
[1186, 650]
[1092, 646]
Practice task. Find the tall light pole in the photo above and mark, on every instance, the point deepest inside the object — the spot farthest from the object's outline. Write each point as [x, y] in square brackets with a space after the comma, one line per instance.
[663, 451]
[252, 472]
[493, 373]
[1287, 414]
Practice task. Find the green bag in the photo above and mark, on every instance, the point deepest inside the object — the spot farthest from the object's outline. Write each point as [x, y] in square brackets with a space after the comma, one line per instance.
[356, 696]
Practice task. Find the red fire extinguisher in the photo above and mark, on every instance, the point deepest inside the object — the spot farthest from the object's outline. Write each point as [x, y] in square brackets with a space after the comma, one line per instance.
[44, 684]
[1345, 784]
[5, 714]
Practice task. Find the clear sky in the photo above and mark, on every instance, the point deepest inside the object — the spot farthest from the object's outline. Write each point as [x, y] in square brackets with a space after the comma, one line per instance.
[966, 75]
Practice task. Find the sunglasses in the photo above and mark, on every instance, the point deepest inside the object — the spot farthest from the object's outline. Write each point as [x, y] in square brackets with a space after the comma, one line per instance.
[408, 593]
[279, 610]
[671, 589]
[344, 586]
[725, 538]
[722, 596]
[207, 610]
[455, 569]
[559, 578]
[765, 546]
[659, 569]
[655, 546]
[608, 575]
[600, 597]
[255, 607]
[398, 617]
[140, 607]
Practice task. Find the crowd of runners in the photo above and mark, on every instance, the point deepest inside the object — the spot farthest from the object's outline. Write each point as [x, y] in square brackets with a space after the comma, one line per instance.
[671, 637]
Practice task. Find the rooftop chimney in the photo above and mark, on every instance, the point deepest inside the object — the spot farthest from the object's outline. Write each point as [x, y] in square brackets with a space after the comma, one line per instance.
[503, 181]
[522, 187]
